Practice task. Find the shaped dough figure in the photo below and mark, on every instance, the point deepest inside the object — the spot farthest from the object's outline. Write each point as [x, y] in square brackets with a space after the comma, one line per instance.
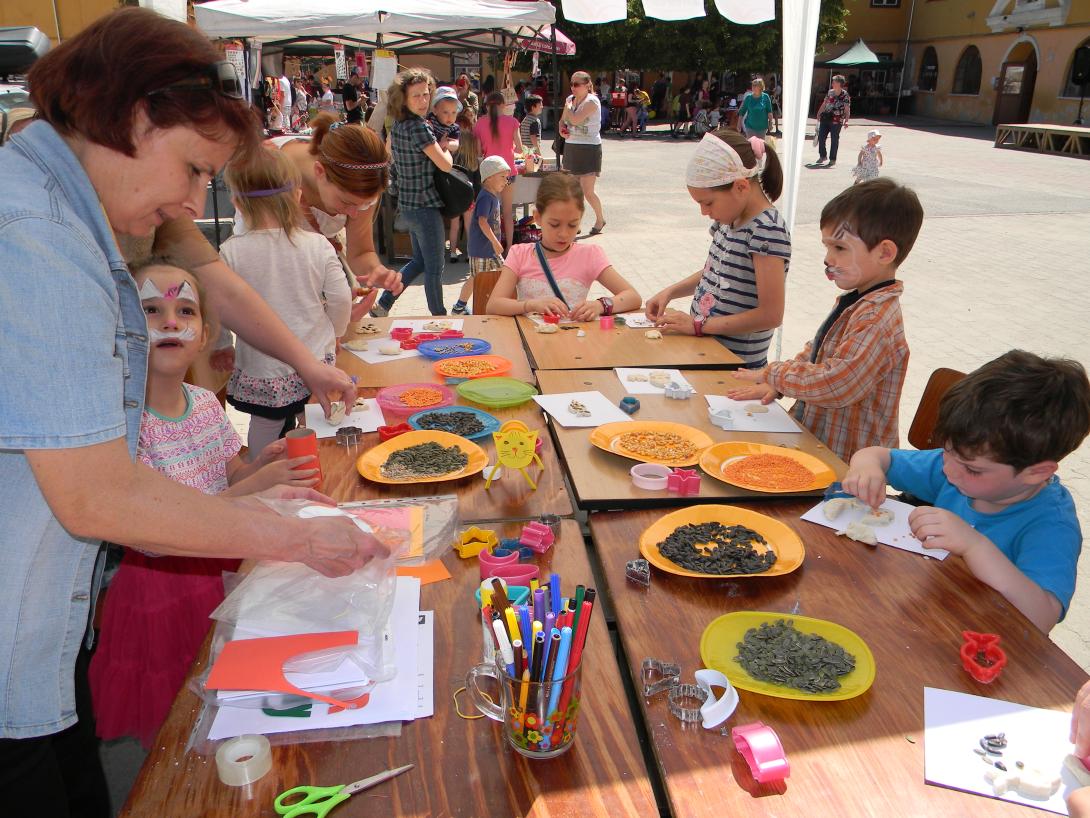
[359, 345]
[546, 329]
[390, 348]
[860, 533]
[755, 409]
[659, 379]
[637, 377]
[877, 517]
[337, 412]
[1031, 782]
[837, 506]
[653, 335]
[1077, 769]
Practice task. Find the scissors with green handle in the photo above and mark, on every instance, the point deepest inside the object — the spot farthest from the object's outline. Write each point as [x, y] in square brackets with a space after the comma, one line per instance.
[318, 801]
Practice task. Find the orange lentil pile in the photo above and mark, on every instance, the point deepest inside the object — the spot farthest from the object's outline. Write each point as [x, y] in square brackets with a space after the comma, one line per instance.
[770, 471]
[659, 445]
[466, 367]
[421, 396]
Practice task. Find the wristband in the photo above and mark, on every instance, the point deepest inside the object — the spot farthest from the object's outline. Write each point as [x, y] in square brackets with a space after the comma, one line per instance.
[698, 327]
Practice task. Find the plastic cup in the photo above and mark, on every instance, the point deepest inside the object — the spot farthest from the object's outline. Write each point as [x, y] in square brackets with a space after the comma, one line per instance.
[303, 442]
[605, 321]
[530, 726]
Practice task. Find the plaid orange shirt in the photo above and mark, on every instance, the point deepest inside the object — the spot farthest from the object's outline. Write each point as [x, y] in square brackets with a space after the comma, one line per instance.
[849, 396]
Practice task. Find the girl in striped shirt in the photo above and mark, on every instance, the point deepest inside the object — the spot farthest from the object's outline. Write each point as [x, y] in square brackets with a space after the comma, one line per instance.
[738, 296]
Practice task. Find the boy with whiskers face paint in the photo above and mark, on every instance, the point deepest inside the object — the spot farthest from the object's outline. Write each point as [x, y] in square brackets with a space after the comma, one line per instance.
[847, 382]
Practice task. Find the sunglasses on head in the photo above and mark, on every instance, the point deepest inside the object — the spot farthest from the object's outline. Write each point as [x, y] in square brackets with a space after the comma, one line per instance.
[221, 77]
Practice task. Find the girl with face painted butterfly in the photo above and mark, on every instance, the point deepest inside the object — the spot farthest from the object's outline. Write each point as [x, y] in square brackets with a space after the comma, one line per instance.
[156, 612]
[738, 297]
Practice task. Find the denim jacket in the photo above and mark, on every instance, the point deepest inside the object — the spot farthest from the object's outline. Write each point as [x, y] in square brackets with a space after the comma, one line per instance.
[73, 365]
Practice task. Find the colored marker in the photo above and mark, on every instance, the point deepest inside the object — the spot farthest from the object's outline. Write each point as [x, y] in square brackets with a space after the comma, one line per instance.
[505, 646]
[554, 592]
[559, 669]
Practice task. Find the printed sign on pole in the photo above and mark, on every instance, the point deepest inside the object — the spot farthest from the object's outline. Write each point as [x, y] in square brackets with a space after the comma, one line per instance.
[342, 67]
[361, 64]
[383, 68]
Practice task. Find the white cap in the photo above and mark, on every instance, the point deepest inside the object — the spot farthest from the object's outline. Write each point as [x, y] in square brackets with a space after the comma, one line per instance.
[491, 165]
[446, 92]
[733, 103]
[873, 133]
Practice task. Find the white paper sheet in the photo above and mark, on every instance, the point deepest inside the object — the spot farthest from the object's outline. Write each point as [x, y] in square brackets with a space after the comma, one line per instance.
[417, 324]
[775, 420]
[954, 723]
[425, 667]
[372, 356]
[896, 534]
[394, 700]
[368, 418]
[601, 409]
[645, 387]
[637, 320]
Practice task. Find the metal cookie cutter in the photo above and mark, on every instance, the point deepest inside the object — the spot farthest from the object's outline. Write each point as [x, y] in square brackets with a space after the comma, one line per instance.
[638, 571]
[679, 694]
[659, 676]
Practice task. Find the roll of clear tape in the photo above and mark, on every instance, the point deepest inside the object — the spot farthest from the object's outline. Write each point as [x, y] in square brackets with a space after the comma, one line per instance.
[243, 760]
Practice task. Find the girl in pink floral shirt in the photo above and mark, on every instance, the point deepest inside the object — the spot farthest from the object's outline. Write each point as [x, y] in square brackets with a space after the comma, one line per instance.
[156, 612]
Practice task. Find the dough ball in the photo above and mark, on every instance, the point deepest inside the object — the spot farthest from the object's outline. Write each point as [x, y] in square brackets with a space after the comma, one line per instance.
[390, 348]
[860, 533]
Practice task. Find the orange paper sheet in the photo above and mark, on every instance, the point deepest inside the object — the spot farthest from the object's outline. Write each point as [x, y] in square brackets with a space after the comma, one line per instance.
[427, 573]
[258, 664]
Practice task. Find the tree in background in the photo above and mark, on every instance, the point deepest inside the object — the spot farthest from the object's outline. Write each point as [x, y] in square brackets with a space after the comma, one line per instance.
[709, 43]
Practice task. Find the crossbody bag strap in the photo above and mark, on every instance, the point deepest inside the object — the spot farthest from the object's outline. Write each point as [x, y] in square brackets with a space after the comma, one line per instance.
[549, 274]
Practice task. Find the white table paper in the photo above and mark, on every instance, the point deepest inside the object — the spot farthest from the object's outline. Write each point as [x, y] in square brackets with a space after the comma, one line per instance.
[394, 700]
[372, 356]
[368, 418]
[954, 723]
[601, 409]
[417, 324]
[896, 534]
[637, 320]
[775, 420]
[425, 669]
[646, 387]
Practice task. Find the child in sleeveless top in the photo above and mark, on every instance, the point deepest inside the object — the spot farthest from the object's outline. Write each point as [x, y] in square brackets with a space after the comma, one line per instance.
[156, 612]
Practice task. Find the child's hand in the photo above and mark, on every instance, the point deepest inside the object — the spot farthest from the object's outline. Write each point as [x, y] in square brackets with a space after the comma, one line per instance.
[939, 528]
[751, 375]
[867, 482]
[222, 360]
[761, 391]
[497, 247]
[1080, 722]
[282, 473]
[272, 452]
[283, 492]
[385, 278]
[656, 305]
[547, 306]
[587, 311]
[676, 321]
[361, 308]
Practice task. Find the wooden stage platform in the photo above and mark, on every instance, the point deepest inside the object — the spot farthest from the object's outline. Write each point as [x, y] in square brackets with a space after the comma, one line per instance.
[1068, 140]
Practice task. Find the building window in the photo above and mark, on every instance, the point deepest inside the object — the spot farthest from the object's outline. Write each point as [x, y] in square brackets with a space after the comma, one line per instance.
[967, 74]
[929, 70]
[1070, 88]
[885, 4]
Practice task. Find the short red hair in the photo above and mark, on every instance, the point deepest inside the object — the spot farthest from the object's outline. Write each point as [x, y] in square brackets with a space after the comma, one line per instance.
[93, 84]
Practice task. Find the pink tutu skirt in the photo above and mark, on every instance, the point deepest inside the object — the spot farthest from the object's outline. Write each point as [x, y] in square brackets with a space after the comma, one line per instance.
[154, 620]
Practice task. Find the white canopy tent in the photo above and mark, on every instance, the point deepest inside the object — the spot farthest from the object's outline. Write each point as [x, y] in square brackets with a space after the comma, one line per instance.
[406, 26]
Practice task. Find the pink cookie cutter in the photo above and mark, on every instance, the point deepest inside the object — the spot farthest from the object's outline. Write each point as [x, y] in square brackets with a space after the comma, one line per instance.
[684, 482]
[518, 574]
[490, 564]
[537, 536]
[761, 748]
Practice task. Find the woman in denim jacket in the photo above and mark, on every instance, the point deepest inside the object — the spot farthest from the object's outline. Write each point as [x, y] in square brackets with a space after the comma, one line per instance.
[74, 361]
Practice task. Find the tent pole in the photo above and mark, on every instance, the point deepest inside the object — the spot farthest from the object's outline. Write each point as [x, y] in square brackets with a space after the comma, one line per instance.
[556, 94]
[904, 59]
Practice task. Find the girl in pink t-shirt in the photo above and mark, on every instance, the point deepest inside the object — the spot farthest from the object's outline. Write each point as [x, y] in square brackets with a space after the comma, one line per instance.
[499, 136]
[523, 286]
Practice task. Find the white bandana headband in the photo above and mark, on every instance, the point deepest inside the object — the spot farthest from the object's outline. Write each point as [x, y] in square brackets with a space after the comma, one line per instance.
[716, 163]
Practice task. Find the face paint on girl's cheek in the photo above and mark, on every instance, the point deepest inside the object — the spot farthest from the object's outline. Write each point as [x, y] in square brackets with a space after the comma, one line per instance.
[149, 289]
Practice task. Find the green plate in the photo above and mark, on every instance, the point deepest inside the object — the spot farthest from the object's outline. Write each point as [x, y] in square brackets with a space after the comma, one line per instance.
[498, 393]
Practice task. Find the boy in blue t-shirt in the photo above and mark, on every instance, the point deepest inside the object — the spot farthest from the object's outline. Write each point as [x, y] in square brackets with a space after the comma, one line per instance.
[997, 502]
[484, 249]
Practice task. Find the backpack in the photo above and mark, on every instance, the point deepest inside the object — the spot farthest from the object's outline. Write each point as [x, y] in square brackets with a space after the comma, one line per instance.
[455, 189]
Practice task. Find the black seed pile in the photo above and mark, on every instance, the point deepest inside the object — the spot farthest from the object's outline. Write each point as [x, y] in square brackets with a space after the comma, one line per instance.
[714, 548]
[424, 460]
[457, 423]
[778, 653]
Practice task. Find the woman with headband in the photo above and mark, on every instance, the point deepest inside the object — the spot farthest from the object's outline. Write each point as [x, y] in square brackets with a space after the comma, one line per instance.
[74, 359]
[738, 297]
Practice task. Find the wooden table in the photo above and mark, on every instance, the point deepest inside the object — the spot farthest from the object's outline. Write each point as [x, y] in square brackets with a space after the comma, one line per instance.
[621, 346]
[509, 498]
[864, 756]
[601, 480]
[462, 767]
[498, 330]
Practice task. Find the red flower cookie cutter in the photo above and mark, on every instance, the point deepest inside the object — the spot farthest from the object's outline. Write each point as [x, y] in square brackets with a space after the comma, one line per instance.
[387, 432]
[981, 656]
[401, 333]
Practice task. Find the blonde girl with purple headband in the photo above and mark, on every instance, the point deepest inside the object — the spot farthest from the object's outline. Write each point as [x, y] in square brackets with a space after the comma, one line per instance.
[299, 275]
[738, 297]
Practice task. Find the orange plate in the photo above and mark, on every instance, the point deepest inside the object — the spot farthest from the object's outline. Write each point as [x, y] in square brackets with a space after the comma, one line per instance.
[447, 367]
[369, 464]
[780, 537]
[606, 438]
[716, 458]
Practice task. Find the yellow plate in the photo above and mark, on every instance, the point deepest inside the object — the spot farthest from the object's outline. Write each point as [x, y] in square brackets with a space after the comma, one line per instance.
[369, 464]
[719, 646]
[606, 437]
[719, 456]
[780, 537]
